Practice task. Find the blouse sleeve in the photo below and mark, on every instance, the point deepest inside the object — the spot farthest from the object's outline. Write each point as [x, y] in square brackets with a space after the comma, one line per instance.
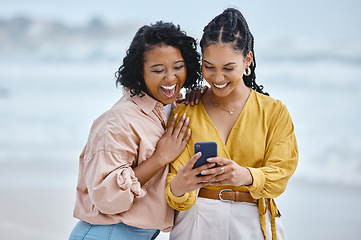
[186, 201]
[281, 157]
[110, 180]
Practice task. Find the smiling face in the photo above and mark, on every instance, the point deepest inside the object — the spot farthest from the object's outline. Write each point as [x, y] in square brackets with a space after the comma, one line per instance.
[164, 72]
[223, 68]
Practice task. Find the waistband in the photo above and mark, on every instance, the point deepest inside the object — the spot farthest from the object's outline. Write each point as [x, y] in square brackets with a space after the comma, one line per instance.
[227, 195]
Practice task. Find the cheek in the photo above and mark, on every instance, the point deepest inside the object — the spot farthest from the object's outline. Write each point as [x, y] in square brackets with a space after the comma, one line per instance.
[151, 80]
[236, 75]
[204, 71]
[182, 76]
[206, 74]
[146, 78]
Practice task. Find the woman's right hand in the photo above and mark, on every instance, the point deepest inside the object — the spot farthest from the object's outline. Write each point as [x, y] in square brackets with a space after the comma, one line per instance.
[169, 147]
[187, 180]
[193, 96]
[174, 140]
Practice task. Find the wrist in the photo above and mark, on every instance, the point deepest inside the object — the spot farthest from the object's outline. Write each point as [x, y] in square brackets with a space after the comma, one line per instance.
[174, 190]
[158, 160]
[248, 177]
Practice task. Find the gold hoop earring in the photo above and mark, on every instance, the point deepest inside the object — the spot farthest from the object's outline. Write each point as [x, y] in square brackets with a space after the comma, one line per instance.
[247, 72]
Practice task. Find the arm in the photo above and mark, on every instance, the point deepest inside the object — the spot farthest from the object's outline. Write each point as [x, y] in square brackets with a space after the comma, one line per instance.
[113, 148]
[183, 182]
[110, 181]
[280, 161]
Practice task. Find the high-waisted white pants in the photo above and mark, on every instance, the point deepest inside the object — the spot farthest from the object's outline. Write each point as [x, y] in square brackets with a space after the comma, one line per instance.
[211, 219]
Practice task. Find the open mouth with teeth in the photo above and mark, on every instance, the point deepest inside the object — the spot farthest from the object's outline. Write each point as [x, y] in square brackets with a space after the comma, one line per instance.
[220, 86]
[168, 91]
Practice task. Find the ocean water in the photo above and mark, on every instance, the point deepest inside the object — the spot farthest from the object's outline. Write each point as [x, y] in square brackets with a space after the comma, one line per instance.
[54, 81]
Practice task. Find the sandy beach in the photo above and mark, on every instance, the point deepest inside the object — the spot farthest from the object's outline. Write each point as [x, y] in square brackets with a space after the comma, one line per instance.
[309, 211]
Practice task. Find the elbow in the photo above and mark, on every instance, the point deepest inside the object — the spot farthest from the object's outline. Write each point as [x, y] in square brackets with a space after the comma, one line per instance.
[107, 208]
[180, 207]
[267, 191]
[110, 205]
[275, 193]
[275, 190]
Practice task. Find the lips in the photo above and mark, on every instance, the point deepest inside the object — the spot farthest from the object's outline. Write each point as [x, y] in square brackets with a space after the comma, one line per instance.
[168, 91]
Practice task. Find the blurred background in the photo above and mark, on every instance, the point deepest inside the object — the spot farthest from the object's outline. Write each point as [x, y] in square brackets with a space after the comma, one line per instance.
[57, 65]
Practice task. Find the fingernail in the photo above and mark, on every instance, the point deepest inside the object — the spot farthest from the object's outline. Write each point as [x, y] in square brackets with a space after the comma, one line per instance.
[213, 164]
[184, 115]
[187, 120]
[209, 159]
[197, 101]
[176, 115]
[204, 172]
[199, 153]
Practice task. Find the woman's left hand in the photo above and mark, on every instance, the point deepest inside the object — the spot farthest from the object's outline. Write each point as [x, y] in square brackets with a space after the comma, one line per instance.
[229, 173]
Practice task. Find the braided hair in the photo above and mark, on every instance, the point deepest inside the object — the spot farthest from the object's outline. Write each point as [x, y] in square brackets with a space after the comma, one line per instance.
[231, 27]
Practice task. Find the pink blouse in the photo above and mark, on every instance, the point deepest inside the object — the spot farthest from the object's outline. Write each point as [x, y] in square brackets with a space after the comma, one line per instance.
[108, 191]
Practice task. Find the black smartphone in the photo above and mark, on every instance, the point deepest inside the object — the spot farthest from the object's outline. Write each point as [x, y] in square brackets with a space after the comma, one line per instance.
[208, 149]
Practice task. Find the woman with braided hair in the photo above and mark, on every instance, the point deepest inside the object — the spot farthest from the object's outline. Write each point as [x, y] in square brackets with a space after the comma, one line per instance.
[233, 198]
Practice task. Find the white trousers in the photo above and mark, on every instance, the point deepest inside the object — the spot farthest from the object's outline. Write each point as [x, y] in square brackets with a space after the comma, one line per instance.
[211, 219]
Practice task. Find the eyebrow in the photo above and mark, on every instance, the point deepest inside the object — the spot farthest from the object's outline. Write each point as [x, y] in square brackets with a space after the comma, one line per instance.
[230, 63]
[156, 65]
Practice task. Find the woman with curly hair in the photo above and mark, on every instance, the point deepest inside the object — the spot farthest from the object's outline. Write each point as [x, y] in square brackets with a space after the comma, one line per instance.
[257, 148]
[124, 165]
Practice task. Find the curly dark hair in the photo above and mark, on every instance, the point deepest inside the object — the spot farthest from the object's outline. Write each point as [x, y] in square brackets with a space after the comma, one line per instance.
[130, 74]
[231, 27]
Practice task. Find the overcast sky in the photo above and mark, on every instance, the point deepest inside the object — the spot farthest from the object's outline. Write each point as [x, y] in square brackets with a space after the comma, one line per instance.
[298, 18]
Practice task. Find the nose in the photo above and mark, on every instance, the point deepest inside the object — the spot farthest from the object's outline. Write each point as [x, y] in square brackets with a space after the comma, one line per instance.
[218, 77]
[170, 76]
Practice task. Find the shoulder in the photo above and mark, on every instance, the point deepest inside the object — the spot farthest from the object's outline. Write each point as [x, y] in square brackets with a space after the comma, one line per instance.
[267, 103]
[270, 109]
[276, 113]
[124, 108]
[114, 127]
[122, 114]
[182, 108]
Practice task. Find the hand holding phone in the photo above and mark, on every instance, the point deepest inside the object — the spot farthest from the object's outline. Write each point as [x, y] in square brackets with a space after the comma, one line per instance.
[189, 178]
[208, 149]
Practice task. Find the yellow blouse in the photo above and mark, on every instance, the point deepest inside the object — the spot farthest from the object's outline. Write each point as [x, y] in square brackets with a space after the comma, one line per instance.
[262, 140]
